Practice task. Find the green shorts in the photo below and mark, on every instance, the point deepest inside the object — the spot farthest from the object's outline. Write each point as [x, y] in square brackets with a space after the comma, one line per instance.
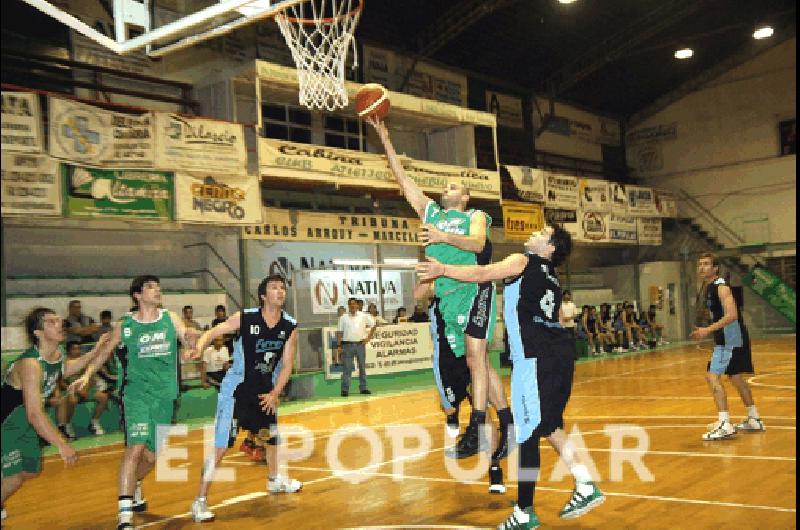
[21, 451]
[141, 416]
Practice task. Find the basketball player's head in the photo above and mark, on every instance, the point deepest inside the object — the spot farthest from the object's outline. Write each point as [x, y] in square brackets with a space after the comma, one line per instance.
[272, 291]
[707, 267]
[43, 324]
[455, 195]
[145, 291]
[551, 242]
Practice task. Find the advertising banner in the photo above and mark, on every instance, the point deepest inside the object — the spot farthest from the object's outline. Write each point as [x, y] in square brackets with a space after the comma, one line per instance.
[393, 348]
[281, 158]
[641, 201]
[218, 199]
[622, 229]
[562, 191]
[197, 144]
[22, 123]
[331, 289]
[293, 225]
[117, 193]
[649, 230]
[85, 134]
[666, 203]
[520, 219]
[594, 195]
[31, 185]
[528, 181]
[619, 200]
[508, 109]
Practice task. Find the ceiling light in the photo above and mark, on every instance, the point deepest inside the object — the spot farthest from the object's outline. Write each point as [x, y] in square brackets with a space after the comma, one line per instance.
[684, 53]
[566, 1]
[763, 32]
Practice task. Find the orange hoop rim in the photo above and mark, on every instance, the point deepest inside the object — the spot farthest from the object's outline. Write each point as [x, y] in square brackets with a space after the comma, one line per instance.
[327, 20]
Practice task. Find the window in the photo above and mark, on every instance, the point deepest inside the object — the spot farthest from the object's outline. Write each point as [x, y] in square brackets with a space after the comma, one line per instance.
[343, 133]
[285, 122]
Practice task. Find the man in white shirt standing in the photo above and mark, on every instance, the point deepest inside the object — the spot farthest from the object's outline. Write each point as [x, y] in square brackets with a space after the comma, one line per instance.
[355, 331]
[568, 312]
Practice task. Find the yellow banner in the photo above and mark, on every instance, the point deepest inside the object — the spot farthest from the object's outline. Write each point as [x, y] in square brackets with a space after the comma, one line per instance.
[291, 225]
[281, 158]
[520, 219]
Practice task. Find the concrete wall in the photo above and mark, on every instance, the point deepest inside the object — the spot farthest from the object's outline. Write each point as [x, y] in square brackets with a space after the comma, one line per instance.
[725, 150]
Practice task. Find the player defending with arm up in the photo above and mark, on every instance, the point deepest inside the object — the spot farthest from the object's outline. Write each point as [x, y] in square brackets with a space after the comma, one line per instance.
[543, 354]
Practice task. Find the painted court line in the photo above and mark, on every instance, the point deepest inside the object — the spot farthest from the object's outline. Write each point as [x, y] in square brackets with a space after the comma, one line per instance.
[561, 490]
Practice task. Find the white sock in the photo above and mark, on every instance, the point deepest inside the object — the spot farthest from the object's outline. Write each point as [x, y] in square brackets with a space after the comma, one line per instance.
[521, 516]
[752, 412]
[125, 510]
[724, 416]
[581, 473]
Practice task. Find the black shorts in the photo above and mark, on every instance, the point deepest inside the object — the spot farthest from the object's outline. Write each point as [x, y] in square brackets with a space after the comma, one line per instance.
[554, 375]
[481, 313]
[741, 361]
[451, 373]
[249, 416]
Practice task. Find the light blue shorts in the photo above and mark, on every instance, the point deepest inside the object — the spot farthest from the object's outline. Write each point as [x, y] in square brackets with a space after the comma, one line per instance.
[720, 358]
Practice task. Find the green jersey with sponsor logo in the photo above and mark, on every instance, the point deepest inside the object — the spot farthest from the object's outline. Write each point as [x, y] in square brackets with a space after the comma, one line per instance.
[150, 364]
[455, 297]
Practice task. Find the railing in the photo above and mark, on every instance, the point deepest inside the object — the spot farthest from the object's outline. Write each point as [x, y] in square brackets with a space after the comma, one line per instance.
[226, 265]
[221, 285]
[717, 224]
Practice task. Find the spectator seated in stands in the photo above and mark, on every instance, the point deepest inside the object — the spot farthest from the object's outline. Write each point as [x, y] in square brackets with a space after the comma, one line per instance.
[419, 315]
[71, 400]
[606, 327]
[587, 324]
[372, 309]
[658, 329]
[603, 339]
[645, 331]
[220, 316]
[634, 331]
[400, 316]
[188, 318]
[620, 330]
[79, 328]
[216, 361]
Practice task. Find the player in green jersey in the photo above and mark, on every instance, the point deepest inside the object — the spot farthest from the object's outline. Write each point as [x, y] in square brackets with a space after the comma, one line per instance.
[29, 380]
[455, 235]
[148, 384]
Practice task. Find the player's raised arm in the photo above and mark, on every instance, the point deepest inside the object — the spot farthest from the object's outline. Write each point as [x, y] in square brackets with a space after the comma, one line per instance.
[411, 191]
[96, 359]
[228, 327]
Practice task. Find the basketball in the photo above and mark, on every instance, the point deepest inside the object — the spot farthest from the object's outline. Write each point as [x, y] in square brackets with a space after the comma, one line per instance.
[372, 100]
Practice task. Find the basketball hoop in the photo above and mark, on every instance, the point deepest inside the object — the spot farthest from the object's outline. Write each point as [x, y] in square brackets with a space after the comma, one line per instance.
[319, 32]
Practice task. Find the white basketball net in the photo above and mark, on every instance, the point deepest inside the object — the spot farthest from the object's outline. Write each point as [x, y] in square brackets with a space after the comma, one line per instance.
[319, 32]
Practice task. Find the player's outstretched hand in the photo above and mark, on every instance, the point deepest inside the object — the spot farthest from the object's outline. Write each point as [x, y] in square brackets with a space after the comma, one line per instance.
[429, 270]
[269, 402]
[699, 333]
[68, 454]
[79, 384]
[429, 235]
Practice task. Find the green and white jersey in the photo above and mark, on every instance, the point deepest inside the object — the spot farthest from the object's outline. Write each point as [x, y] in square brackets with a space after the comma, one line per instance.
[452, 222]
[13, 409]
[150, 362]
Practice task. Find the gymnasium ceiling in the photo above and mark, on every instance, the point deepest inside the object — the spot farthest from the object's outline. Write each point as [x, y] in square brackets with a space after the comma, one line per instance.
[612, 56]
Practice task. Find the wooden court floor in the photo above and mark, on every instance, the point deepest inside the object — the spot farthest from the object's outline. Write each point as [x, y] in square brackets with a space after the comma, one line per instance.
[649, 408]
